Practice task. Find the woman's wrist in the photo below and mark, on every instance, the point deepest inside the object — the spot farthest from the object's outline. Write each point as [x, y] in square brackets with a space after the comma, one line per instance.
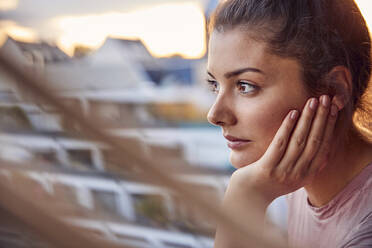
[248, 186]
[244, 189]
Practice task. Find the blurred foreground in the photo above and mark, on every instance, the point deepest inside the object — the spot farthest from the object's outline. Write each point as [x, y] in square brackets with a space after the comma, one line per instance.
[118, 147]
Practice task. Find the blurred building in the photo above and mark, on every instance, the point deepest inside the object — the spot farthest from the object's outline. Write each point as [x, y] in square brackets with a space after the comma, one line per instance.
[41, 53]
[113, 83]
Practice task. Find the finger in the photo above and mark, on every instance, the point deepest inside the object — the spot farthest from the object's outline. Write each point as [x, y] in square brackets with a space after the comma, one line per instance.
[299, 137]
[278, 145]
[322, 155]
[315, 139]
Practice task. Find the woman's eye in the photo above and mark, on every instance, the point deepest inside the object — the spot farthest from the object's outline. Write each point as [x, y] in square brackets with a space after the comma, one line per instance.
[213, 86]
[245, 87]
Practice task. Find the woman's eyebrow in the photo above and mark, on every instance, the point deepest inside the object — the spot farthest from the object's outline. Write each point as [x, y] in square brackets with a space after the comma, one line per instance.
[238, 72]
[210, 74]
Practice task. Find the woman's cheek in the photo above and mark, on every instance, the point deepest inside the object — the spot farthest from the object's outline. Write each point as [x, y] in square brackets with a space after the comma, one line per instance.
[261, 126]
[268, 126]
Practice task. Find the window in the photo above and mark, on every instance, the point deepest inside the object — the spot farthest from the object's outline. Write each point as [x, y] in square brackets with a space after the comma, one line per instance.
[81, 158]
[105, 202]
[48, 156]
[175, 245]
[133, 241]
[189, 218]
[150, 210]
[131, 238]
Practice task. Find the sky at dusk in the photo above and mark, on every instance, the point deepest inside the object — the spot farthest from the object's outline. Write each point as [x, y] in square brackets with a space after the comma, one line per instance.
[165, 26]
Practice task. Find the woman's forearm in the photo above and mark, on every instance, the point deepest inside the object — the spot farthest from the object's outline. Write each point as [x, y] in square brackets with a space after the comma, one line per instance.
[245, 206]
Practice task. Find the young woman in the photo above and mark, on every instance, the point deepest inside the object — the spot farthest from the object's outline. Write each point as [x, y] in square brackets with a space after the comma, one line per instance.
[289, 75]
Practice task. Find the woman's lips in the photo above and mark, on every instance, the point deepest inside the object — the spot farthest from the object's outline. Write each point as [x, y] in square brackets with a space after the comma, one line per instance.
[235, 143]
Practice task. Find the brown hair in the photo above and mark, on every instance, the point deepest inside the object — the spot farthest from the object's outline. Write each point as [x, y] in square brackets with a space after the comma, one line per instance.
[320, 34]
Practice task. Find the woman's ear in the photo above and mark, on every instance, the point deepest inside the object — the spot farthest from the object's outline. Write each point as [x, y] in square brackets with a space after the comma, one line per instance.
[341, 83]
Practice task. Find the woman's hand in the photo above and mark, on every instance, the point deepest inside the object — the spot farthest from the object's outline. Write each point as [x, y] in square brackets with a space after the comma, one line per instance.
[297, 153]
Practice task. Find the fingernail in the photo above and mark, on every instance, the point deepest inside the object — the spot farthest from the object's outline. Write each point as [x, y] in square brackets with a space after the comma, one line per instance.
[294, 114]
[334, 110]
[325, 100]
[313, 103]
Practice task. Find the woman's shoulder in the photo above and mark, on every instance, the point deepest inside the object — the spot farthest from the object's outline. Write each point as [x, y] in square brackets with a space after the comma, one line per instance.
[361, 235]
[365, 180]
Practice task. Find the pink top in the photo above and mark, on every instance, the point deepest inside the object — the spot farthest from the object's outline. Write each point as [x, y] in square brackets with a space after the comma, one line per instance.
[346, 221]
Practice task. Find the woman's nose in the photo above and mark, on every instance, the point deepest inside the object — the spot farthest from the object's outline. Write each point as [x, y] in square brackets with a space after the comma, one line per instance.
[221, 113]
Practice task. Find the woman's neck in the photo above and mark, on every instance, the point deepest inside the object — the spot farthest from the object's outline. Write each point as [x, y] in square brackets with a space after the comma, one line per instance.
[343, 166]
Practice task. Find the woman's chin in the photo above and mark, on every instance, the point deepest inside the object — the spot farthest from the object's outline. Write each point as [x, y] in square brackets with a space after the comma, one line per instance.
[241, 159]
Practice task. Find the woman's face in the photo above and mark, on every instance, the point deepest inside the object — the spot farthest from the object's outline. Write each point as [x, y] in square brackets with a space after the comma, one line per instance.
[254, 89]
